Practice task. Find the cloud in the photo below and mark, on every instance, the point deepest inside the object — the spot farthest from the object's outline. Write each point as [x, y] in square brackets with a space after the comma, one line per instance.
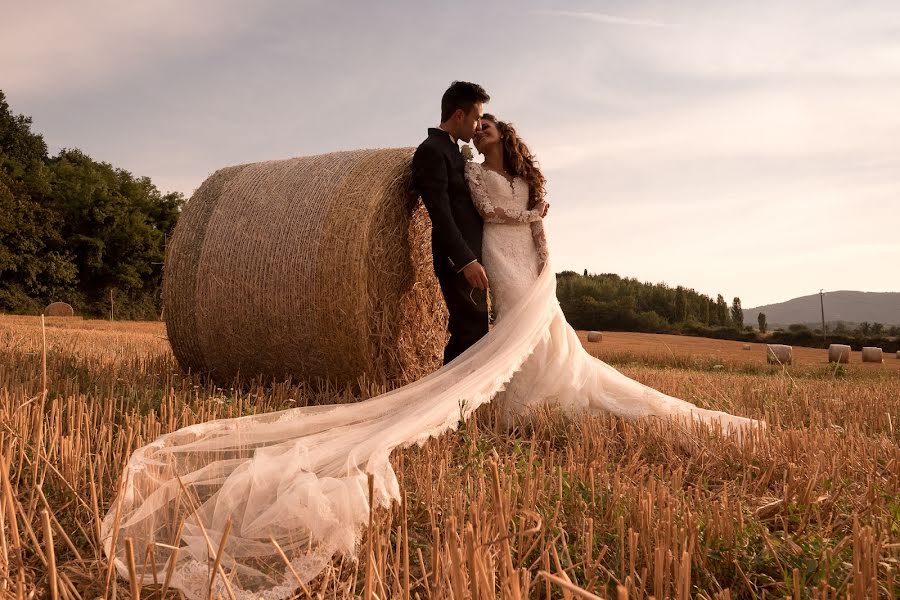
[57, 46]
[603, 18]
[703, 143]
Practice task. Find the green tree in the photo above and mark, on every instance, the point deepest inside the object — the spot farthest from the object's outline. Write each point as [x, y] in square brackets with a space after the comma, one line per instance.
[72, 229]
[737, 313]
[18, 145]
[761, 321]
[721, 311]
[115, 225]
[680, 305]
[32, 267]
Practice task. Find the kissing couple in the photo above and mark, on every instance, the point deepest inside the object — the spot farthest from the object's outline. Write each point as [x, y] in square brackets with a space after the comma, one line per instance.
[257, 506]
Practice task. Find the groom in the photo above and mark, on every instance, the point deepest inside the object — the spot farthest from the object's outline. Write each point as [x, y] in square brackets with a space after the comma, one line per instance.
[456, 227]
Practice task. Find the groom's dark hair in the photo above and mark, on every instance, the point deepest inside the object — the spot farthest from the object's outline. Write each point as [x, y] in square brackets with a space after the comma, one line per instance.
[461, 95]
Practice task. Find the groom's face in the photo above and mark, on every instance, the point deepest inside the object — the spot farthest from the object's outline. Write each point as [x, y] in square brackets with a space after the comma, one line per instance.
[470, 122]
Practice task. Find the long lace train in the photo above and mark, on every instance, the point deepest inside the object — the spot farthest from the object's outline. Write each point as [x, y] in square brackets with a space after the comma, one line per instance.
[297, 478]
[297, 481]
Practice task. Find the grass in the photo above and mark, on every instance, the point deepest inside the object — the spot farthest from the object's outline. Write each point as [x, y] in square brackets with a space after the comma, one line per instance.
[561, 508]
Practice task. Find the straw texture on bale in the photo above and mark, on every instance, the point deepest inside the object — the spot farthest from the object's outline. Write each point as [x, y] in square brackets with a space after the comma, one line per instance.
[316, 268]
[779, 354]
[594, 336]
[839, 353]
[59, 309]
[747, 347]
[872, 354]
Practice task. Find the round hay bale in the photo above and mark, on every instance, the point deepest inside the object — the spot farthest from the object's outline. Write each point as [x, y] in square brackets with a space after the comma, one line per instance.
[747, 347]
[594, 336]
[898, 353]
[839, 353]
[779, 354]
[316, 268]
[59, 309]
[872, 354]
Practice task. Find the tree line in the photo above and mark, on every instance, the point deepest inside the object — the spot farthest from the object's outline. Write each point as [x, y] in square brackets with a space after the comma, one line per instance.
[76, 230]
[608, 302]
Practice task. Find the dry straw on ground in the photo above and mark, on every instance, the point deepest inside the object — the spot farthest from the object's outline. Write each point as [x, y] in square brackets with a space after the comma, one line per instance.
[312, 267]
[871, 354]
[839, 353]
[617, 508]
[59, 309]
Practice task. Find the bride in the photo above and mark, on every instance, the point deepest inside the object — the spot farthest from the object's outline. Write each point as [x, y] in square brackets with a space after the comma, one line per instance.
[267, 500]
[508, 190]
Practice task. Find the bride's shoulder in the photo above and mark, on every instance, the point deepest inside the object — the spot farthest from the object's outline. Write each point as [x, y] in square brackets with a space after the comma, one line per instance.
[474, 171]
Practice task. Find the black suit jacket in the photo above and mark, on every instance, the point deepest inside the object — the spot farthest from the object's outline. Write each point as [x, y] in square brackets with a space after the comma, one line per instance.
[438, 171]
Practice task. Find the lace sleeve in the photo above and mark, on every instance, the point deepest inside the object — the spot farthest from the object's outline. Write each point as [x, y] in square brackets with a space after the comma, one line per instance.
[540, 243]
[482, 200]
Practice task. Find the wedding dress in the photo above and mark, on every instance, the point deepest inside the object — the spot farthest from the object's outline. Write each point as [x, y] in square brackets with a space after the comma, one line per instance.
[286, 491]
[559, 370]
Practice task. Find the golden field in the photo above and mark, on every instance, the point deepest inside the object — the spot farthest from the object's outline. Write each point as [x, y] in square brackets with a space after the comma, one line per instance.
[563, 508]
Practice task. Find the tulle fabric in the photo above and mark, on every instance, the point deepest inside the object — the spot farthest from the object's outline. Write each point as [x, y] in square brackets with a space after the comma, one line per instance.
[298, 478]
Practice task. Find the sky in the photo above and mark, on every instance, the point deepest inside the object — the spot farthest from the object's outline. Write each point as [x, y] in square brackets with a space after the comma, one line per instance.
[750, 149]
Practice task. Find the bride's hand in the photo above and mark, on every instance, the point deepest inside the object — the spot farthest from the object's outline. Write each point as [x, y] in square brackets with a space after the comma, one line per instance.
[542, 207]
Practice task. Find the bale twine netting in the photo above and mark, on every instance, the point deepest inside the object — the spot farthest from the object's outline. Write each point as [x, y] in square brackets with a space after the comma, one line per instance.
[317, 268]
[839, 353]
[872, 354]
[779, 354]
[59, 309]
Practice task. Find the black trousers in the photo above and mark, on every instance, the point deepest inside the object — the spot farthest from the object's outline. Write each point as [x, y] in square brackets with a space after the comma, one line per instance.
[468, 313]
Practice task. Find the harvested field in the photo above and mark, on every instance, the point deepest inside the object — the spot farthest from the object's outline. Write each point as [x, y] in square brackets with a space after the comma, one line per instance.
[621, 509]
[623, 347]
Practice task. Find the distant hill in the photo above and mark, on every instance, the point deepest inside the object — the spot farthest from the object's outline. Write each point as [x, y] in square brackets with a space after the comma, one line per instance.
[846, 306]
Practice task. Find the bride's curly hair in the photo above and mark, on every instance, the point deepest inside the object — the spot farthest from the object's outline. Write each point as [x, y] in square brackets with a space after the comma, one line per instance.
[519, 160]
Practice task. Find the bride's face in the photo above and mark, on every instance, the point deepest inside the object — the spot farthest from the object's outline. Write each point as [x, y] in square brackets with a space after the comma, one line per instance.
[486, 136]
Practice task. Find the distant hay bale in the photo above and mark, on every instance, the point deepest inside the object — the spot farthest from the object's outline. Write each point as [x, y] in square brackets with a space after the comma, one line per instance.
[59, 309]
[872, 354]
[747, 347]
[838, 353]
[316, 267]
[898, 353]
[594, 336]
[779, 354]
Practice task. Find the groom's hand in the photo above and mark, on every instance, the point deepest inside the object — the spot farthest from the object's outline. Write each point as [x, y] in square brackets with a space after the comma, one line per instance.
[475, 275]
